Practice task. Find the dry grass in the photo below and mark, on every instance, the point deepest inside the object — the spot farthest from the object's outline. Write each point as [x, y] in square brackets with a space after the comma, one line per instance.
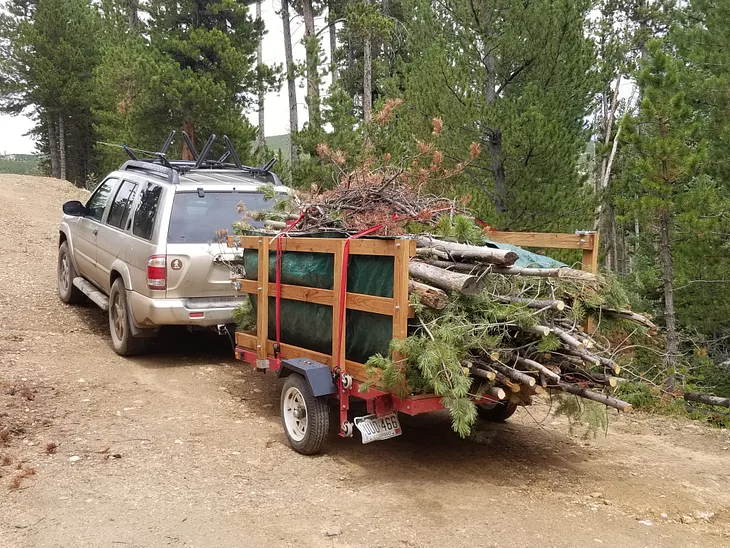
[23, 472]
[51, 447]
[7, 460]
[5, 436]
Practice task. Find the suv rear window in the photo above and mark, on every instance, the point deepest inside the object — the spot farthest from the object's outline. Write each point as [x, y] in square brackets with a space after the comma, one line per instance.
[195, 220]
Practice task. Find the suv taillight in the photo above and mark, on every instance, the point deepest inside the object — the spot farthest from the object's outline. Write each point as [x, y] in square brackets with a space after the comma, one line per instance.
[157, 272]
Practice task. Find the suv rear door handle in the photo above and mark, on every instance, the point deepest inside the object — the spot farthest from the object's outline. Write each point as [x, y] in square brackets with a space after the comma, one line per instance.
[95, 232]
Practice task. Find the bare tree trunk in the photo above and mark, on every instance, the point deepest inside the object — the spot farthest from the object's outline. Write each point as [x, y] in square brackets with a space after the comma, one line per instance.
[62, 146]
[188, 128]
[495, 134]
[260, 130]
[669, 314]
[53, 146]
[133, 13]
[332, 16]
[311, 43]
[291, 83]
[367, 86]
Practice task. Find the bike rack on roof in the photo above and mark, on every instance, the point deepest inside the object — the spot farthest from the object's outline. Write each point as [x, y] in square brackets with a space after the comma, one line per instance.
[172, 169]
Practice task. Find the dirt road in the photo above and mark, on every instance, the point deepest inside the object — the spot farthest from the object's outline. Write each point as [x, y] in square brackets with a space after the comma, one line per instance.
[184, 447]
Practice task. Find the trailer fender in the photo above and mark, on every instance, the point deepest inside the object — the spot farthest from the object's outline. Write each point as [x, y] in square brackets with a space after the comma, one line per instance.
[318, 375]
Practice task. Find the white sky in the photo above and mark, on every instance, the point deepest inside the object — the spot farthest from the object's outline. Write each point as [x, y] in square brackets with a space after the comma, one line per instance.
[12, 128]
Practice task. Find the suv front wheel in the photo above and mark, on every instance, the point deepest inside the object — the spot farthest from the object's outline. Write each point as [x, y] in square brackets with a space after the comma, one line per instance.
[124, 343]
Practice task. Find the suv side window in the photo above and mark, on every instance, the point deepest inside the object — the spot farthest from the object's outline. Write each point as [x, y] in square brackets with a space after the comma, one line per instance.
[97, 203]
[119, 212]
[146, 212]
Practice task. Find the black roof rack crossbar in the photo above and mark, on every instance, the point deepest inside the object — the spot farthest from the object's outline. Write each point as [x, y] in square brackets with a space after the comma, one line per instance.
[167, 144]
[129, 152]
[145, 165]
[206, 150]
[191, 146]
[232, 152]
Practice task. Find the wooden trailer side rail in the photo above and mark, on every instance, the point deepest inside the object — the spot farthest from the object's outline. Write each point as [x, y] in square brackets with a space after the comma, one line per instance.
[587, 242]
[397, 306]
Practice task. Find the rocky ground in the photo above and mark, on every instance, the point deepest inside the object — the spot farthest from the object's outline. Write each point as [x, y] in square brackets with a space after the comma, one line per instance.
[184, 447]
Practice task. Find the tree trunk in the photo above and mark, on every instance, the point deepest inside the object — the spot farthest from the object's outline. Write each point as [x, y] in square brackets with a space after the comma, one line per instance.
[367, 80]
[53, 146]
[431, 297]
[595, 396]
[446, 279]
[291, 83]
[62, 147]
[311, 44]
[190, 130]
[260, 130]
[494, 137]
[669, 315]
[332, 16]
[133, 13]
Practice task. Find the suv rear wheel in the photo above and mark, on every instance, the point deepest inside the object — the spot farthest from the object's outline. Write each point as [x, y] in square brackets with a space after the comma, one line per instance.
[67, 291]
[124, 343]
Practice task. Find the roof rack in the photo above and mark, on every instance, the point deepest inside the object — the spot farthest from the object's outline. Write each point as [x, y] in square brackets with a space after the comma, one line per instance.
[172, 169]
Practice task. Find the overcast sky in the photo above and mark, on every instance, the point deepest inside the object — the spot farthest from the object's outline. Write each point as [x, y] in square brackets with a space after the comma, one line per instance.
[12, 128]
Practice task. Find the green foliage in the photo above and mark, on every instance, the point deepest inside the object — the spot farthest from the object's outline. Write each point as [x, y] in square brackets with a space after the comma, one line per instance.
[244, 315]
[589, 416]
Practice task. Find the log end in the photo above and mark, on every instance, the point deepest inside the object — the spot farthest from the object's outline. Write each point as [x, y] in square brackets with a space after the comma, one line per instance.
[510, 258]
[612, 382]
[559, 306]
[500, 393]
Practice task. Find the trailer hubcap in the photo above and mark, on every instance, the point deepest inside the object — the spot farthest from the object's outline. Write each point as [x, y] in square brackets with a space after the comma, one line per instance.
[295, 414]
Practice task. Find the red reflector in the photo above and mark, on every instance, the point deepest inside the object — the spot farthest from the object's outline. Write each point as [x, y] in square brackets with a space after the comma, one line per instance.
[197, 314]
[157, 272]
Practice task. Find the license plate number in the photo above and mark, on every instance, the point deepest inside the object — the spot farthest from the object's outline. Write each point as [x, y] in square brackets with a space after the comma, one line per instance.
[237, 272]
[374, 428]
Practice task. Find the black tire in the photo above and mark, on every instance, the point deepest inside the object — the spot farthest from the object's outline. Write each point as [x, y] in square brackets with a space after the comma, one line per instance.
[124, 343]
[497, 413]
[67, 291]
[307, 433]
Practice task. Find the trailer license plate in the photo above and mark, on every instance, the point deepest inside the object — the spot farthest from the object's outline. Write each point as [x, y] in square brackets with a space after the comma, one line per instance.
[237, 272]
[374, 428]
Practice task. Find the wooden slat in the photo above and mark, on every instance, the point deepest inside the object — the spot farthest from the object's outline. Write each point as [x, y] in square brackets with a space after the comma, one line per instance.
[288, 351]
[590, 256]
[263, 297]
[244, 242]
[400, 292]
[339, 337]
[323, 245]
[545, 239]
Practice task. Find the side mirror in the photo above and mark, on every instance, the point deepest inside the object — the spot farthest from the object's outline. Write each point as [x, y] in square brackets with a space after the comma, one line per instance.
[74, 208]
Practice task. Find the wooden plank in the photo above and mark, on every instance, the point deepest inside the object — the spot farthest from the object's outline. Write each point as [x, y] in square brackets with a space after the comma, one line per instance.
[373, 247]
[355, 301]
[244, 242]
[339, 321]
[288, 351]
[262, 320]
[400, 292]
[590, 256]
[546, 239]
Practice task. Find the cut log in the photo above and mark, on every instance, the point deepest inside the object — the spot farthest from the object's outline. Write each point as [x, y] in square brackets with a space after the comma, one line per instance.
[629, 315]
[532, 303]
[595, 396]
[431, 252]
[482, 374]
[538, 329]
[463, 252]
[446, 279]
[276, 225]
[567, 338]
[513, 374]
[707, 398]
[532, 364]
[431, 297]
[562, 272]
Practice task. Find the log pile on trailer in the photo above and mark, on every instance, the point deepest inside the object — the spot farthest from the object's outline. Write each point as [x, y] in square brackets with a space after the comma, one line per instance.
[485, 335]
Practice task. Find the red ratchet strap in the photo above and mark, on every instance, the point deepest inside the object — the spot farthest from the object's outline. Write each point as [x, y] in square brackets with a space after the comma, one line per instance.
[343, 288]
[279, 255]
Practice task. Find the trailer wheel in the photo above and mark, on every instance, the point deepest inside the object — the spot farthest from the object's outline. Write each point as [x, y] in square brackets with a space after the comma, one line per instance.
[499, 412]
[305, 417]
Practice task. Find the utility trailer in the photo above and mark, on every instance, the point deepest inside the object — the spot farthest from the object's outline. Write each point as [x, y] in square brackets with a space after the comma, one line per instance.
[335, 373]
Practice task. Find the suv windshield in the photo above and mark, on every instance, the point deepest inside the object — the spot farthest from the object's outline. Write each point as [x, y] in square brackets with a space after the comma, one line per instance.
[195, 219]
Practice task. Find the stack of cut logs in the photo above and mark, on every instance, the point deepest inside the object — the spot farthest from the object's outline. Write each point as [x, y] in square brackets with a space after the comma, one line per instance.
[580, 366]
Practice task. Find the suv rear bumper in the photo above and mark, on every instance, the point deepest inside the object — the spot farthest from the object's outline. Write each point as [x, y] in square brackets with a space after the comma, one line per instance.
[149, 312]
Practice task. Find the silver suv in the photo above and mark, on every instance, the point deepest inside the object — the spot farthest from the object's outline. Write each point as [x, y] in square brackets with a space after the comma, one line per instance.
[145, 246]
